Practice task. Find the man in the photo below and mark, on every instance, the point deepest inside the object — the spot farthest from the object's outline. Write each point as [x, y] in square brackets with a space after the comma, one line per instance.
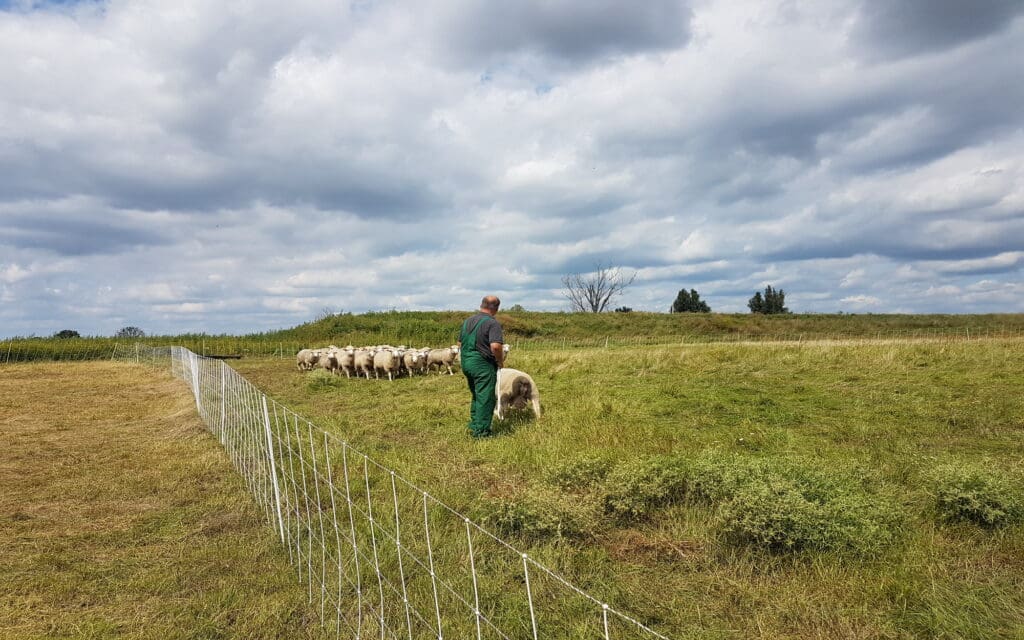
[481, 350]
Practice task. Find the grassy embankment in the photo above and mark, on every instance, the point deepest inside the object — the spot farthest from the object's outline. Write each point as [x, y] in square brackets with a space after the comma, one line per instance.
[793, 485]
[120, 517]
[538, 330]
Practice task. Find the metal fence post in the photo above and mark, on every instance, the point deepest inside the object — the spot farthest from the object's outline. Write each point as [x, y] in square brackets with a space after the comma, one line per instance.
[273, 468]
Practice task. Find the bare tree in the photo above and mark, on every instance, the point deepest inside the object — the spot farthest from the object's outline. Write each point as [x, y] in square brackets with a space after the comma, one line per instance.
[593, 291]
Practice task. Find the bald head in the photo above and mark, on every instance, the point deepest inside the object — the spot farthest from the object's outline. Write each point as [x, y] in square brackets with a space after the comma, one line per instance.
[490, 304]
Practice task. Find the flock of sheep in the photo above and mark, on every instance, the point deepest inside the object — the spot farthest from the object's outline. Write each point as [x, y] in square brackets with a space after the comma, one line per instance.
[514, 389]
[379, 361]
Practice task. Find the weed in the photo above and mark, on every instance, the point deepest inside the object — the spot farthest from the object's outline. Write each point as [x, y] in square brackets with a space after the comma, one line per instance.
[580, 474]
[975, 493]
[320, 381]
[779, 514]
[540, 514]
[632, 490]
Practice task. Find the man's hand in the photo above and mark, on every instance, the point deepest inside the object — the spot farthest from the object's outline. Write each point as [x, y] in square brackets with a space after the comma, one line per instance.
[498, 350]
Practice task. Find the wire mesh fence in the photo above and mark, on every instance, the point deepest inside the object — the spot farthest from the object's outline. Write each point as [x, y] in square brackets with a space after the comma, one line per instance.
[380, 556]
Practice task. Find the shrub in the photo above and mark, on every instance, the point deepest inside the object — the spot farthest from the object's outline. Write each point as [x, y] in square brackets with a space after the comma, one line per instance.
[321, 380]
[779, 515]
[580, 474]
[633, 489]
[971, 493]
[539, 514]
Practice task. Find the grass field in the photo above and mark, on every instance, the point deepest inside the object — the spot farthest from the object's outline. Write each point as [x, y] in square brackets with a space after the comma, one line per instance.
[774, 490]
[120, 517]
[543, 330]
[731, 433]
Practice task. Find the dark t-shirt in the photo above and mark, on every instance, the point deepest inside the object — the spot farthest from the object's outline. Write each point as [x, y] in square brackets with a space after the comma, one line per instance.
[489, 331]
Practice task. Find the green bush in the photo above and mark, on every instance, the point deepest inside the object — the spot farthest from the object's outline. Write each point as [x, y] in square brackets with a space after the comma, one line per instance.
[779, 514]
[320, 381]
[542, 514]
[580, 474]
[634, 489]
[971, 493]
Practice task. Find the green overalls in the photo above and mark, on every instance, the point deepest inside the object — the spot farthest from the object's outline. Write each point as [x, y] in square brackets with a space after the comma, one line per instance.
[482, 376]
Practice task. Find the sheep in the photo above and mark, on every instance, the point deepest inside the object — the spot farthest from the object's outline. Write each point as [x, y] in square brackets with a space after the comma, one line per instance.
[306, 359]
[347, 360]
[443, 358]
[515, 389]
[387, 361]
[412, 361]
[363, 361]
[329, 360]
[301, 357]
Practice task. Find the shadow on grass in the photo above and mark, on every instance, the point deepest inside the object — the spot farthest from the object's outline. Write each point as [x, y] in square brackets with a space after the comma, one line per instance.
[513, 420]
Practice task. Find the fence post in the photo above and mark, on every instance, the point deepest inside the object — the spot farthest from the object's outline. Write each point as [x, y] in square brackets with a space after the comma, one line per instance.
[223, 394]
[273, 467]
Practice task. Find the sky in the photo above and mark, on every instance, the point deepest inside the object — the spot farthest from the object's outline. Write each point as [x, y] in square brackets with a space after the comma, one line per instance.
[242, 166]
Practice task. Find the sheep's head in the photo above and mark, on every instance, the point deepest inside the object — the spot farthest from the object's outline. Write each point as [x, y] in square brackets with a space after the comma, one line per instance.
[454, 348]
[505, 348]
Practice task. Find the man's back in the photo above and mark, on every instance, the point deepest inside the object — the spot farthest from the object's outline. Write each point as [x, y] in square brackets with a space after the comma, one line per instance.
[488, 331]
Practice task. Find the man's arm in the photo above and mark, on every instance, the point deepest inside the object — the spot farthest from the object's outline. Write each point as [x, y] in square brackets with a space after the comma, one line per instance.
[498, 350]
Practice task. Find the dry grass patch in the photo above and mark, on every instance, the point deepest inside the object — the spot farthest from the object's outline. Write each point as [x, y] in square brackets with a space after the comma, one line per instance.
[121, 517]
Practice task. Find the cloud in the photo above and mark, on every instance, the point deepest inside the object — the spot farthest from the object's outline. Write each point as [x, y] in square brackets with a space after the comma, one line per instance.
[210, 167]
[914, 26]
[573, 32]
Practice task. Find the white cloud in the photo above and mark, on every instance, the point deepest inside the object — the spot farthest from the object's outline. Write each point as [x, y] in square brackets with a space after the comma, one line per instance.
[202, 166]
[862, 300]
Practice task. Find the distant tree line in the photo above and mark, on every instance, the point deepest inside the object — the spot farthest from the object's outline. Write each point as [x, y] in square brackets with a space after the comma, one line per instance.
[770, 302]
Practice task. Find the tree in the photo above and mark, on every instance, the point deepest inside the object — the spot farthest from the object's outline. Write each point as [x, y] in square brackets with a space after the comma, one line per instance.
[130, 332]
[67, 333]
[593, 291]
[773, 301]
[516, 308]
[756, 303]
[689, 302]
[624, 310]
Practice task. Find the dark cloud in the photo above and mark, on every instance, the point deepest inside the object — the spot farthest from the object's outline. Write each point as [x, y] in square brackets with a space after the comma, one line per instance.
[72, 235]
[907, 27]
[569, 31]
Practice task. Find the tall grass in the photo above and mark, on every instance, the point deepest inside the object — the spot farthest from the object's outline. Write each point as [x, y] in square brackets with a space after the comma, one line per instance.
[803, 500]
[540, 331]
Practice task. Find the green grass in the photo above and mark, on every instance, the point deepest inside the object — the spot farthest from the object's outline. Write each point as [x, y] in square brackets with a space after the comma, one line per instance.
[804, 501]
[120, 517]
[533, 330]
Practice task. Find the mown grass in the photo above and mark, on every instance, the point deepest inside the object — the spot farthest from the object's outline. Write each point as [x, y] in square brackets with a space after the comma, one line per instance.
[849, 437]
[120, 517]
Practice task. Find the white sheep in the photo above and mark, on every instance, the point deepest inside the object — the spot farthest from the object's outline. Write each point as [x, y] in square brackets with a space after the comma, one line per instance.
[329, 360]
[412, 361]
[387, 361]
[363, 361]
[347, 360]
[306, 359]
[514, 389]
[300, 358]
[443, 358]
